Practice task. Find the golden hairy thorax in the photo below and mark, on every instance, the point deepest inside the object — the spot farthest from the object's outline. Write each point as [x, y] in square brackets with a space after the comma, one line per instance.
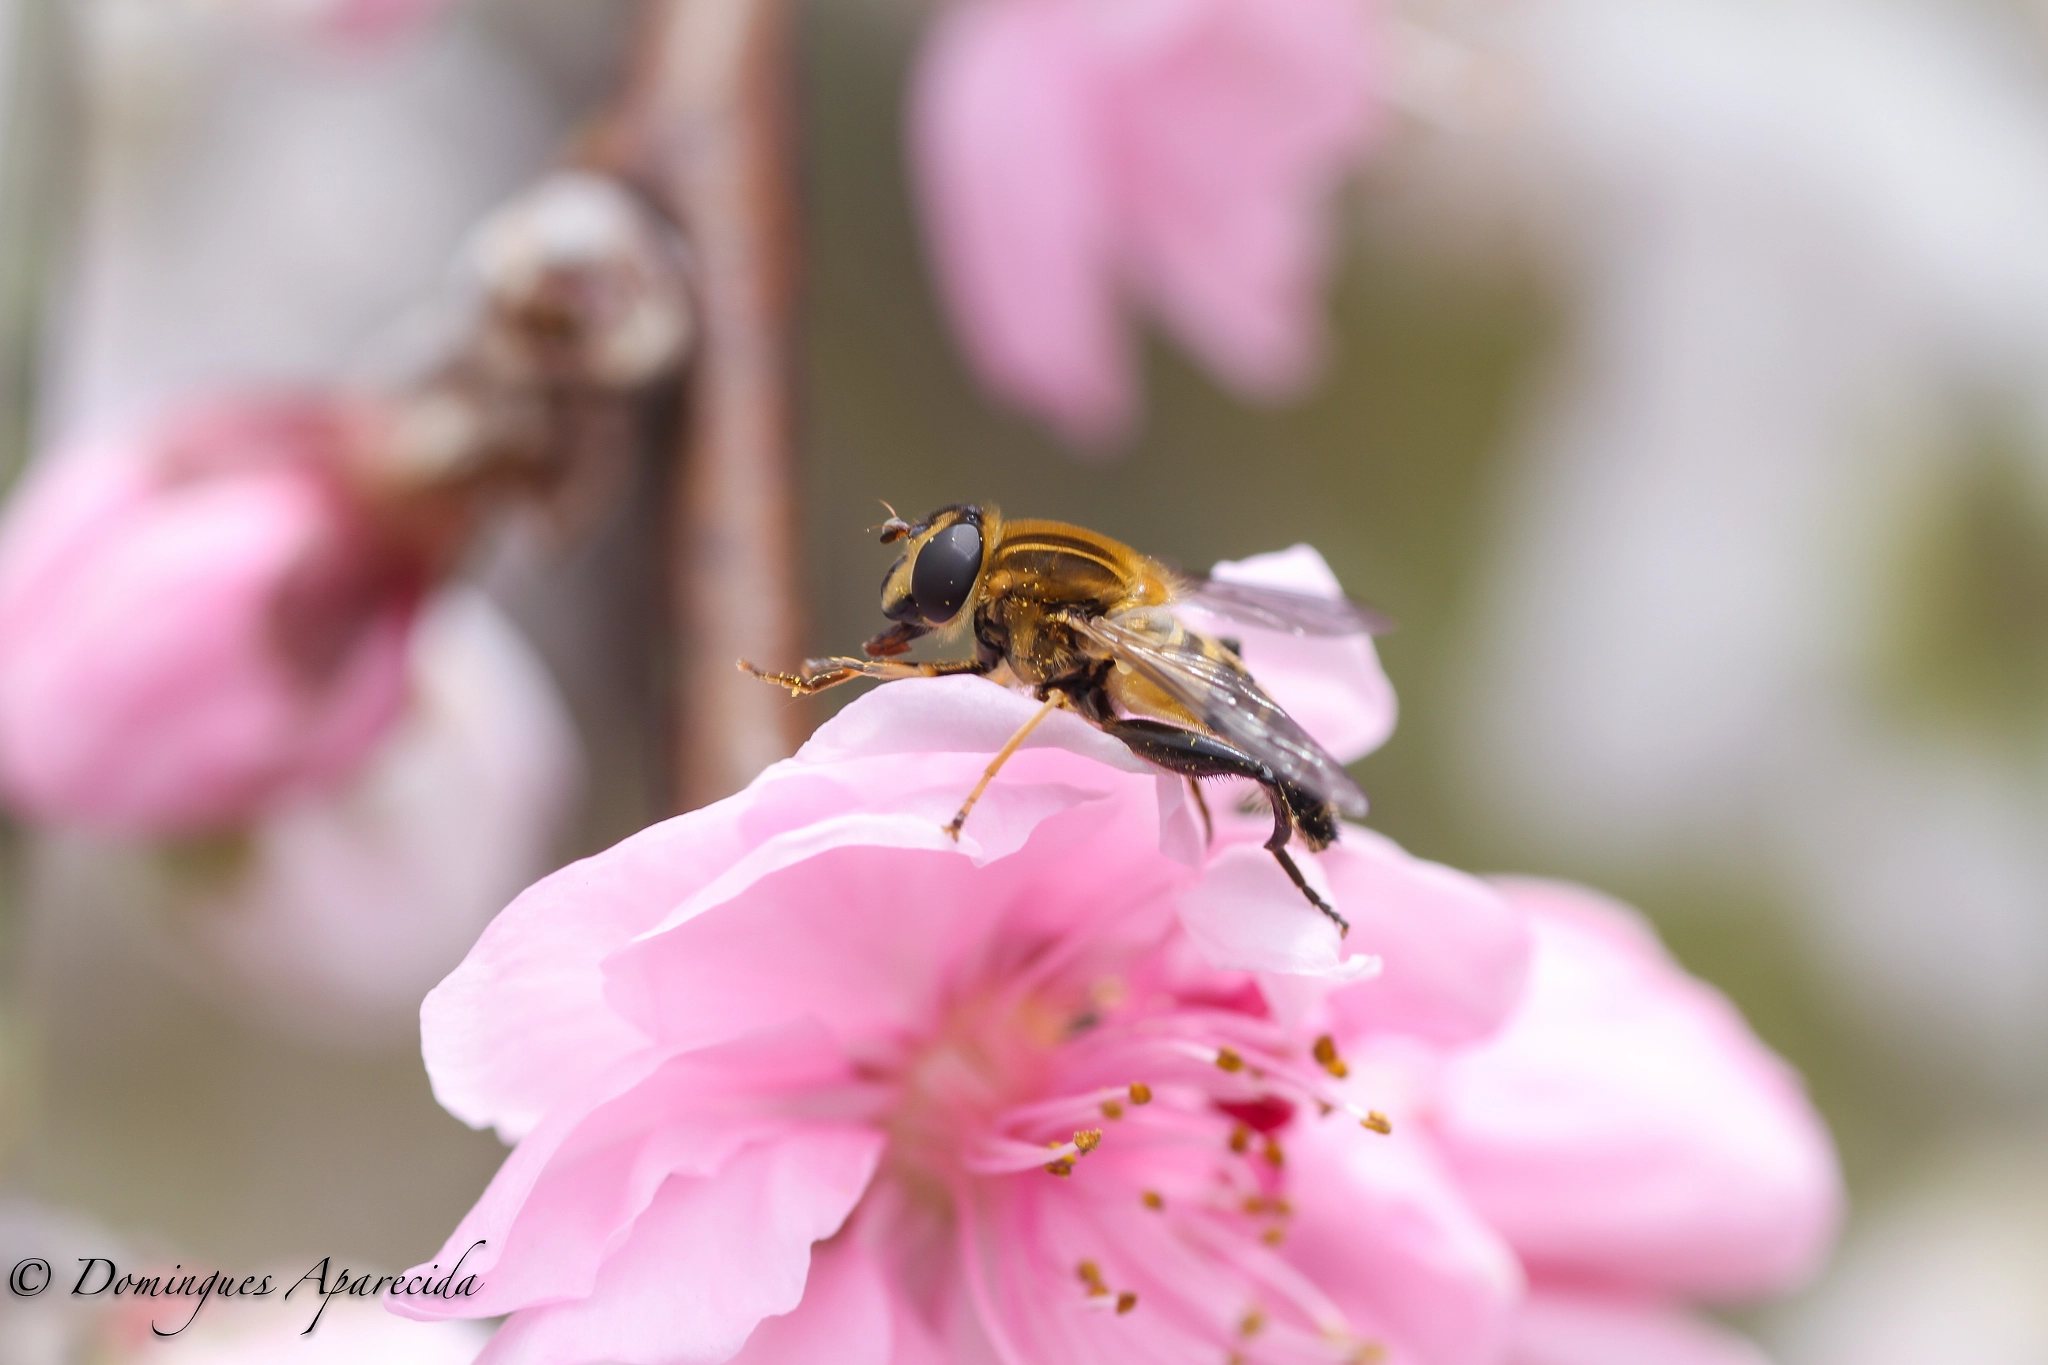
[1039, 568]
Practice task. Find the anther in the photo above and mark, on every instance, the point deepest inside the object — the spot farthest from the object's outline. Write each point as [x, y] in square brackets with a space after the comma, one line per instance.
[1141, 1093]
[1240, 1139]
[1228, 1061]
[1274, 1156]
[1062, 1168]
[1366, 1353]
[1252, 1324]
[1087, 1140]
[1091, 1276]
[1126, 1301]
[1273, 1237]
[1327, 1058]
[1153, 1199]
[1377, 1122]
[1112, 1110]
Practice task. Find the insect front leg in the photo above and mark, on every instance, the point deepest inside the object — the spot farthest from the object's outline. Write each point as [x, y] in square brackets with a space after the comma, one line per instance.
[1194, 754]
[819, 674]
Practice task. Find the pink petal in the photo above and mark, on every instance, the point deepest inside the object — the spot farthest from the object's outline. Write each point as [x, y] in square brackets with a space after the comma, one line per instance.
[1004, 139]
[708, 1260]
[574, 1188]
[1245, 915]
[846, 1315]
[869, 937]
[1381, 1227]
[536, 973]
[1334, 687]
[1573, 1329]
[1456, 954]
[1229, 143]
[1626, 1129]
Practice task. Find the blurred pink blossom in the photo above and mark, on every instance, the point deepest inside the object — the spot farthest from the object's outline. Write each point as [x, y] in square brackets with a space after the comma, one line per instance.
[1076, 158]
[364, 22]
[1632, 1141]
[196, 620]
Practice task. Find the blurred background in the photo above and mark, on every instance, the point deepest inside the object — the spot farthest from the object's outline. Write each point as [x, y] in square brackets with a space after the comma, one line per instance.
[1685, 399]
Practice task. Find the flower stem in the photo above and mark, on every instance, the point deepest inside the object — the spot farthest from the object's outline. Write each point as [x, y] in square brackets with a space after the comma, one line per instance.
[707, 128]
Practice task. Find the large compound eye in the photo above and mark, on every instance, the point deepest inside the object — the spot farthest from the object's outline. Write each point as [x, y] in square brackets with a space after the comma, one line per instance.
[945, 572]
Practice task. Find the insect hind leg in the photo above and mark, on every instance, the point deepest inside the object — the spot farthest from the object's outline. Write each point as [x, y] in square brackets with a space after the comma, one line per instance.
[1193, 754]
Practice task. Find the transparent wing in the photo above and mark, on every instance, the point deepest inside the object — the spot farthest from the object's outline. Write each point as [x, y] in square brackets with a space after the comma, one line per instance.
[1207, 680]
[1297, 613]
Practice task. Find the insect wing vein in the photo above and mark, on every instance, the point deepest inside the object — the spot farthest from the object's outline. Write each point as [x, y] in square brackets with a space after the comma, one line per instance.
[1294, 613]
[1227, 699]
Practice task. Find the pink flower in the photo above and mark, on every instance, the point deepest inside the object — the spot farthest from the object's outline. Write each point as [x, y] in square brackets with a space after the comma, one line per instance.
[994, 1080]
[196, 621]
[796, 1077]
[1077, 156]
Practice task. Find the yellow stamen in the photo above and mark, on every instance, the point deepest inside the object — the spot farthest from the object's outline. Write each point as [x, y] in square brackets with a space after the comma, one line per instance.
[1377, 1122]
[1228, 1060]
[1141, 1093]
[1153, 1199]
[1368, 1353]
[1273, 1237]
[1126, 1301]
[1112, 1110]
[1274, 1156]
[1240, 1139]
[1091, 1276]
[1088, 1139]
[1327, 1058]
[1062, 1168]
[1254, 1322]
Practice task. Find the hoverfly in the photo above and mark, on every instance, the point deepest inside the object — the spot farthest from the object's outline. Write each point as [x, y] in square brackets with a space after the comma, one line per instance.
[1088, 623]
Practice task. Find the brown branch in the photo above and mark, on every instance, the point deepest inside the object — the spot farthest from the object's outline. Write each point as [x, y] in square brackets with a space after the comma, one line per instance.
[706, 127]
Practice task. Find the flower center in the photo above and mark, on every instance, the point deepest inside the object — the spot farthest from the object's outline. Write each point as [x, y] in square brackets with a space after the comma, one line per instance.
[1125, 1148]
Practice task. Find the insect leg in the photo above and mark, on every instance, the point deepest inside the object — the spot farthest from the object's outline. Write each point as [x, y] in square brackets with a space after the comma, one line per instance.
[1286, 861]
[819, 674]
[1202, 807]
[1193, 754]
[995, 764]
